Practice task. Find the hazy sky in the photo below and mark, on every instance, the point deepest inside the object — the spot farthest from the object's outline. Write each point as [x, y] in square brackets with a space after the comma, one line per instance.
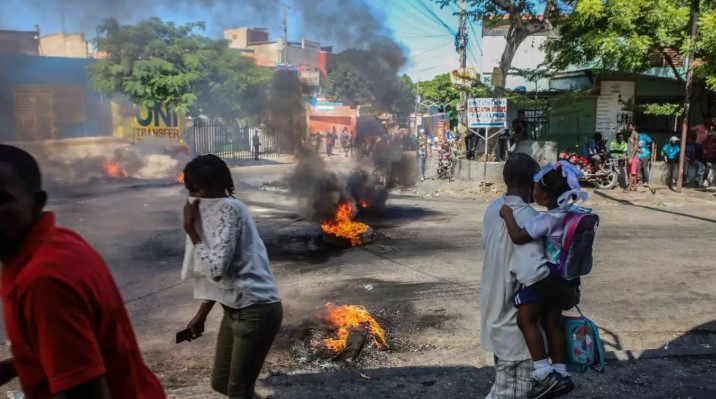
[428, 38]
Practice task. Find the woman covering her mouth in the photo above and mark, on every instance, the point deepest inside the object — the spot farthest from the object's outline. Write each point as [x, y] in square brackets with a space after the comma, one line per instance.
[226, 260]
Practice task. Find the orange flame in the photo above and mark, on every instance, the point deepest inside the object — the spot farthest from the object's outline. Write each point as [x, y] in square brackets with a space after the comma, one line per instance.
[350, 317]
[342, 225]
[112, 169]
[180, 178]
[363, 204]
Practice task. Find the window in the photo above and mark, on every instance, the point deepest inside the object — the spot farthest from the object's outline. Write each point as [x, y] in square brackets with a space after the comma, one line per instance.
[538, 119]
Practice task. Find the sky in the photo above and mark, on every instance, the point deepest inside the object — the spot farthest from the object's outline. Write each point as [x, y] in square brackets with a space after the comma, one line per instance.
[421, 26]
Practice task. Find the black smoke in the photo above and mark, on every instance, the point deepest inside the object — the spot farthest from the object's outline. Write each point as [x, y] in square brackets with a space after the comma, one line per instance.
[319, 189]
[343, 24]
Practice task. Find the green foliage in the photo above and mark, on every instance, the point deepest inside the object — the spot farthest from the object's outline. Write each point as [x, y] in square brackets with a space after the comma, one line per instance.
[157, 61]
[707, 44]
[442, 91]
[666, 109]
[622, 35]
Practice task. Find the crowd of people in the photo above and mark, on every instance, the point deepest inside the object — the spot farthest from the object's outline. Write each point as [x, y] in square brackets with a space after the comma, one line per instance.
[347, 141]
[639, 150]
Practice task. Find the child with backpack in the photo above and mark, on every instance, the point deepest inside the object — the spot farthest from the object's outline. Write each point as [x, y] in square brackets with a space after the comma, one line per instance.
[557, 188]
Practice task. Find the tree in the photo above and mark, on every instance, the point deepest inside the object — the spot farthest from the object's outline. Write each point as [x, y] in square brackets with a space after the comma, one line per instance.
[627, 35]
[362, 77]
[441, 90]
[156, 61]
[523, 17]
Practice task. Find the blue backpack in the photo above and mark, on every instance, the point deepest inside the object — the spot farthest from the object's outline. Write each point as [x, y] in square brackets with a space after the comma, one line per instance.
[584, 347]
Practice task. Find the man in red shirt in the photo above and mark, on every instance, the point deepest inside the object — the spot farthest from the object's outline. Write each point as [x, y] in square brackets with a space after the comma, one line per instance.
[69, 332]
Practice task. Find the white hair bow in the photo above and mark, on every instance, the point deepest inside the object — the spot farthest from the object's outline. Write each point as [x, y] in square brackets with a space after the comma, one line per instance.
[572, 174]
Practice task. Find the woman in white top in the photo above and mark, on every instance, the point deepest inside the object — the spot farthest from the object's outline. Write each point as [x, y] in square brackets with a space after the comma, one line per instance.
[226, 261]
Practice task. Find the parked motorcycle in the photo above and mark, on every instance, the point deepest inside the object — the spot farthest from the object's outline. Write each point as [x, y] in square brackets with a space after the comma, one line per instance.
[604, 175]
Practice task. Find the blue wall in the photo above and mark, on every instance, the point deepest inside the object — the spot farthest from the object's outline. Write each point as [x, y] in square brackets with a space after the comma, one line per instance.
[18, 69]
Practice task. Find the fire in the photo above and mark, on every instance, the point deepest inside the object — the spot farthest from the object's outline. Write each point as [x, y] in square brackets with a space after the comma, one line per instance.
[350, 317]
[363, 204]
[180, 178]
[342, 225]
[112, 169]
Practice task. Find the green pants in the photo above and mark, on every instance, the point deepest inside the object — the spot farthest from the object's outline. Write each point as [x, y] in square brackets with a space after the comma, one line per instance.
[245, 337]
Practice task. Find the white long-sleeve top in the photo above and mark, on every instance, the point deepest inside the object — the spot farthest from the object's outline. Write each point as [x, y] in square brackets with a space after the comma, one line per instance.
[232, 252]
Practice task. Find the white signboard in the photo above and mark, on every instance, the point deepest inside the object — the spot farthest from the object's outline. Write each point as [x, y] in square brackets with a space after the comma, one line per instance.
[486, 112]
[611, 116]
[311, 78]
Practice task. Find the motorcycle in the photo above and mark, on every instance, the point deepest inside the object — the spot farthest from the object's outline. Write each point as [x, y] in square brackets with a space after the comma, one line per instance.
[604, 175]
[445, 165]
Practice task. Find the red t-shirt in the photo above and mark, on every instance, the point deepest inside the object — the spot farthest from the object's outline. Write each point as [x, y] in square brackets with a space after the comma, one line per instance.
[66, 321]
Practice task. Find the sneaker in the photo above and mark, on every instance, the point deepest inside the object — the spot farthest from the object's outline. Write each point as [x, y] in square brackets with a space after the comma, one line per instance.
[563, 387]
[545, 387]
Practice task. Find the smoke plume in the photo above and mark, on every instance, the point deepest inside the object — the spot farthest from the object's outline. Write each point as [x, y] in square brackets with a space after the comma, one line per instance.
[319, 190]
[343, 24]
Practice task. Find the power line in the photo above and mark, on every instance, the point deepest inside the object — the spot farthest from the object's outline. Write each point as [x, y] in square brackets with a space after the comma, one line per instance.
[437, 17]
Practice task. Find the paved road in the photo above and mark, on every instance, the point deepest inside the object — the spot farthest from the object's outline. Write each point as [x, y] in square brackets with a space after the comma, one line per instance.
[653, 282]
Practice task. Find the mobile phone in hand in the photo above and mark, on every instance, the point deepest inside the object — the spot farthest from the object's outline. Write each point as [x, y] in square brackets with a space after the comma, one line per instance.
[185, 335]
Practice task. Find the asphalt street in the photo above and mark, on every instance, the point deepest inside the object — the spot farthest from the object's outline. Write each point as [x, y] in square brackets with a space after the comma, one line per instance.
[652, 292]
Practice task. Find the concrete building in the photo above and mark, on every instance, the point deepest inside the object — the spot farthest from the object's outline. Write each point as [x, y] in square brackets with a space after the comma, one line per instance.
[72, 45]
[20, 42]
[49, 98]
[308, 57]
[529, 55]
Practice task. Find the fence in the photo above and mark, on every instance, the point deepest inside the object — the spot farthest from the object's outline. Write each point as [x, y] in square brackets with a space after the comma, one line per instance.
[233, 141]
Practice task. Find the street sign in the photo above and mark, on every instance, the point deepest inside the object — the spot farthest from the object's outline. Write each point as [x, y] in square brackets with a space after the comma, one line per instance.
[487, 112]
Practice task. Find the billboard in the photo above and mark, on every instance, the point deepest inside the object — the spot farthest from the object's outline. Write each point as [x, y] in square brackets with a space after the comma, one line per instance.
[311, 78]
[486, 113]
[158, 121]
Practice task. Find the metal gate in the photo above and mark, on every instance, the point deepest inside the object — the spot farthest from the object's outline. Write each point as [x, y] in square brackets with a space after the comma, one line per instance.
[232, 141]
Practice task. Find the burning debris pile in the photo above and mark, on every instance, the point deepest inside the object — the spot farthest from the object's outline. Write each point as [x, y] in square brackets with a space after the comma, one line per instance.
[115, 171]
[331, 200]
[342, 227]
[341, 333]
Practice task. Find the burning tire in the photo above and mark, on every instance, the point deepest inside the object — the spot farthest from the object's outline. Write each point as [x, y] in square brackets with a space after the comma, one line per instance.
[300, 239]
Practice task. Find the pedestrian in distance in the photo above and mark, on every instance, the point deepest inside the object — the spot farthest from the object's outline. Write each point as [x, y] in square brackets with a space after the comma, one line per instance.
[226, 260]
[693, 166]
[68, 329]
[632, 158]
[345, 141]
[647, 154]
[317, 142]
[670, 151]
[422, 155]
[256, 141]
[330, 142]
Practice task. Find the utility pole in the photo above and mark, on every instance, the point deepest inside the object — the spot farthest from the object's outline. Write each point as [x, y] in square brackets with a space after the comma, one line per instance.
[695, 4]
[285, 35]
[462, 49]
